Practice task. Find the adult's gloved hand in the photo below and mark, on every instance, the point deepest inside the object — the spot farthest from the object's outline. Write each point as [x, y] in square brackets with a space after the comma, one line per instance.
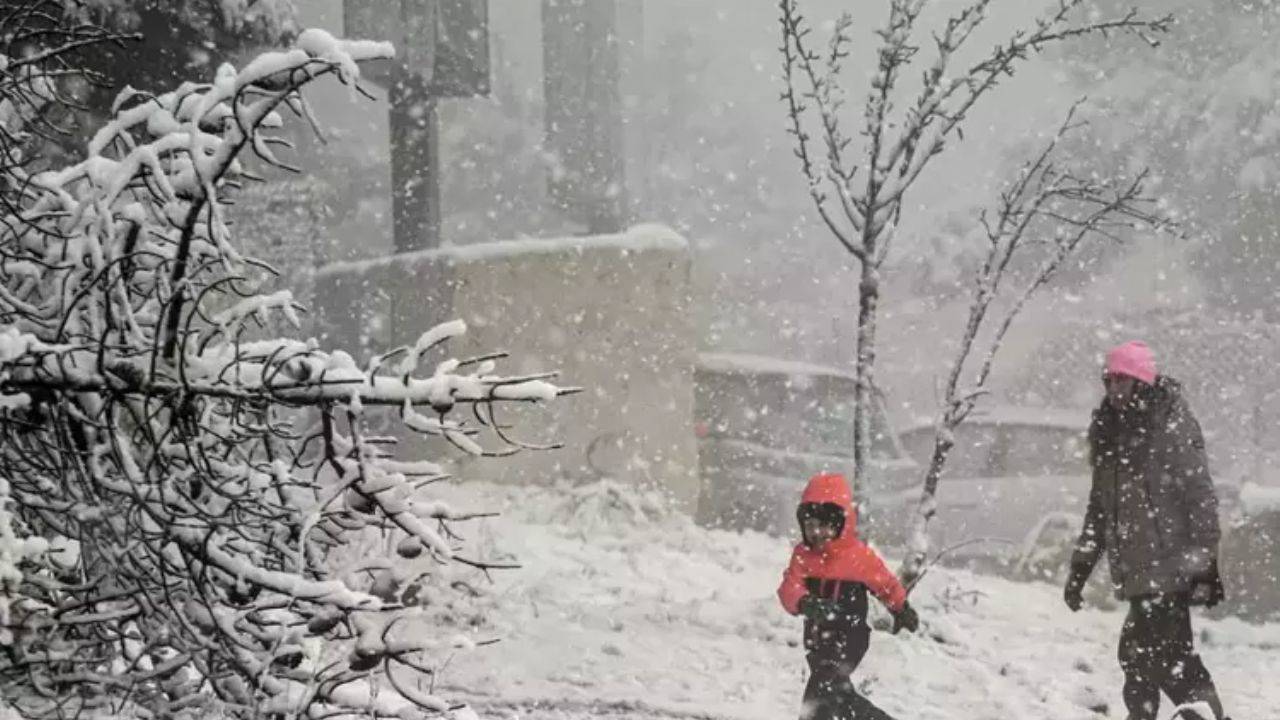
[817, 609]
[1207, 591]
[1202, 594]
[906, 619]
[1073, 593]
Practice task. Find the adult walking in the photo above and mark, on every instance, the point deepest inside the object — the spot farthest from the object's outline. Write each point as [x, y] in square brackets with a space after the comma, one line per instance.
[1153, 511]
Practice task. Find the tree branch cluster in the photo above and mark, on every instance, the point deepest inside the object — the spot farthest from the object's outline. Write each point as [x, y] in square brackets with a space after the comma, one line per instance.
[1041, 220]
[173, 482]
[42, 43]
[898, 146]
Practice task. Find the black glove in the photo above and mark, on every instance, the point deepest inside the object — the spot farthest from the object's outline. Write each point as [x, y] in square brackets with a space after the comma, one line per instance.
[1073, 593]
[1202, 594]
[817, 609]
[1207, 590]
[906, 619]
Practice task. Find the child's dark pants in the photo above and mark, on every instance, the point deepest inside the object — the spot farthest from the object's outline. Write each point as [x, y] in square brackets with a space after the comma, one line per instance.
[835, 650]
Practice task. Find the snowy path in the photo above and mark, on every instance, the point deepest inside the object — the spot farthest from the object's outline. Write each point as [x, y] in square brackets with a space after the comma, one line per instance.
[562, 709]
[623, 613]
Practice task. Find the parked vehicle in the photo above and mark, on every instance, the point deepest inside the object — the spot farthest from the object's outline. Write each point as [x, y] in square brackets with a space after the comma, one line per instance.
[1250, 553]
[1014, 487]
[765, 425]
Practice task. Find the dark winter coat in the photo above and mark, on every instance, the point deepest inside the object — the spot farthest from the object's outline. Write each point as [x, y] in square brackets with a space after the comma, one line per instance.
[1152, 507]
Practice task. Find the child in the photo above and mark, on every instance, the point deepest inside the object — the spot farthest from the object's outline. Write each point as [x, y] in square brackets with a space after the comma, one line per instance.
[827, 581]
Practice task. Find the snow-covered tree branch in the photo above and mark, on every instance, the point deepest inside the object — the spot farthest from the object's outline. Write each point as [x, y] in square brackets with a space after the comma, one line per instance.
[172, 480]
[42, 44]
[859, 189]
[1041, 220]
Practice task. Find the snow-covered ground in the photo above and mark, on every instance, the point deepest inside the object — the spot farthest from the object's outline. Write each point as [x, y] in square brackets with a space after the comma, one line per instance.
[624, 610]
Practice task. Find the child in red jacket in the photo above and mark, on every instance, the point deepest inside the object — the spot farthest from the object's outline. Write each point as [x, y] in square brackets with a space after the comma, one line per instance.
[827, 581]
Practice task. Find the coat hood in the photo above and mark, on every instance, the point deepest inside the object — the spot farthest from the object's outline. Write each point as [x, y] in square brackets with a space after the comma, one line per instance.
[1160, 397]
[833, 489]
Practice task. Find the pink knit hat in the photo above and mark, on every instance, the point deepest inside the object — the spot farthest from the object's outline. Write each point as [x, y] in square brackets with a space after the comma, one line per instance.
[1133, 359]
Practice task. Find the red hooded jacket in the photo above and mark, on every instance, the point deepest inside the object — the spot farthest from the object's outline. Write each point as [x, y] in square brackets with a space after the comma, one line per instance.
[844, 559]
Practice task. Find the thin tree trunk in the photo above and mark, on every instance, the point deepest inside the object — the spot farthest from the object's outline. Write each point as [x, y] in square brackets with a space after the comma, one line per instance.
[868, 308]
[917, 540]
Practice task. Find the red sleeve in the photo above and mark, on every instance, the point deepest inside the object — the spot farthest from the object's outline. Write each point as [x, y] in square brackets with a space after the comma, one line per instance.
[792, 589]
[881, 580]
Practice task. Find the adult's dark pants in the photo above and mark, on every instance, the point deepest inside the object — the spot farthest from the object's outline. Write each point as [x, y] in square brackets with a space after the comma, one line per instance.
[830, 694]
[1157, 653]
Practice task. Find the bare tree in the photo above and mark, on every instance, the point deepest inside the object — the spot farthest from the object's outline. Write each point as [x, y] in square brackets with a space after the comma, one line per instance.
[173, 480]
[1041, 220]
[861, 210]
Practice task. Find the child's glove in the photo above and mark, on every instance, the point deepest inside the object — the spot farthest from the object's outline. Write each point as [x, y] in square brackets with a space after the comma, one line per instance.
[906, 619]
[817, 609]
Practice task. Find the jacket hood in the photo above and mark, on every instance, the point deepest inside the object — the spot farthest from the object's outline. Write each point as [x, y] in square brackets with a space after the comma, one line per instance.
[1167, 388]
[832, 488]
[1162, 395]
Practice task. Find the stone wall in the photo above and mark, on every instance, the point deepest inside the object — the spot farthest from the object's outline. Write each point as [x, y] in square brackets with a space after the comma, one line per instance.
[282, 223]
[611, 313]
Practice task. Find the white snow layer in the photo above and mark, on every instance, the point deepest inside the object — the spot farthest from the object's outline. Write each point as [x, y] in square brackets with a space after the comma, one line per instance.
[758, 364]
[646, 236]
[1257, 499]
[620, 604]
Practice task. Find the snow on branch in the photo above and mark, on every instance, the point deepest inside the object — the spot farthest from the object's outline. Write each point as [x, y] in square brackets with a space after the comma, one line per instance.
[898, 146]
[823, 92]
[1041, 220]
[173, 481]
[943, 104]
[41, 46]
